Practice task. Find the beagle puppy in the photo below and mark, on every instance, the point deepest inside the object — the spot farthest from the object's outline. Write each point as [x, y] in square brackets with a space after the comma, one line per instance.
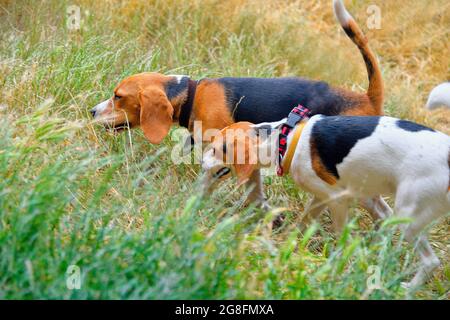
[340, 158]
[155, 102]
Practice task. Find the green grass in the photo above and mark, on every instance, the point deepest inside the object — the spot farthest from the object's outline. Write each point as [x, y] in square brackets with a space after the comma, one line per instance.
[115, 206]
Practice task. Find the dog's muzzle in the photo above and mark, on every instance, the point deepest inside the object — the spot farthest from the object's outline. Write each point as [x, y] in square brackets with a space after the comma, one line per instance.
[99, 109]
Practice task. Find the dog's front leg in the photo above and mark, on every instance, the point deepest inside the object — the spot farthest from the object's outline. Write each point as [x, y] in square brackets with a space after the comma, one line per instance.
[256, 194]
[377, 207]
[313, 209]
[339, 215]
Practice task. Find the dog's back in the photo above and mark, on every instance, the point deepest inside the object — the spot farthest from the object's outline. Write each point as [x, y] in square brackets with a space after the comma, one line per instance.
[271, 99]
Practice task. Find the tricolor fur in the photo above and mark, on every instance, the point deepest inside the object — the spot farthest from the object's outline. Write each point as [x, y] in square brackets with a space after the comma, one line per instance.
[341, 158]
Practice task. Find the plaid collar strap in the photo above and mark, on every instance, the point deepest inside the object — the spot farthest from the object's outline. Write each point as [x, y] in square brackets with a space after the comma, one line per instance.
[295, 116]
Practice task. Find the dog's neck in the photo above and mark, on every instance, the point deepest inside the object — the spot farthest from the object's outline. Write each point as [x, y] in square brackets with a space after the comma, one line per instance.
[181, 93]
[268, 144]
[267, 133]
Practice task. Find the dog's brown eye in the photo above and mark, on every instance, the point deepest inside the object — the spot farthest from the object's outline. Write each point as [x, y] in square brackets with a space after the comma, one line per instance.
[116, 97]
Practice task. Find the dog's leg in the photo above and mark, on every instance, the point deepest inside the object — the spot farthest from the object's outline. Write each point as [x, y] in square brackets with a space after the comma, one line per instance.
[313, 209]
[414, 204]
[429, 262]
[256, 194]
[428, 259]
[377, 207]
[339, 214]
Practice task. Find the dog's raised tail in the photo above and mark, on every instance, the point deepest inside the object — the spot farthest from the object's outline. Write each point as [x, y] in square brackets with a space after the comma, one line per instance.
[351, 28]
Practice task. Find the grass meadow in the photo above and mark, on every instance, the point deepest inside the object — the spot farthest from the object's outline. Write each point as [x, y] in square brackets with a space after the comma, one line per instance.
[132, 221]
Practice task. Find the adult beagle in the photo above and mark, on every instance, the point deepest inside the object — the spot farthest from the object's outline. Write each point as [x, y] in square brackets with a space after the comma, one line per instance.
[154, 101]
[340, 158]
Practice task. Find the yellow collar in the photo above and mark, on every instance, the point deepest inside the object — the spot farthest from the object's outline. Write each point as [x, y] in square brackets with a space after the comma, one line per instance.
[287, 159]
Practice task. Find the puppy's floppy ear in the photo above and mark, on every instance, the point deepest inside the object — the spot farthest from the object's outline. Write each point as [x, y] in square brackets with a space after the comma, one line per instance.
[246, 164]
[156, 114]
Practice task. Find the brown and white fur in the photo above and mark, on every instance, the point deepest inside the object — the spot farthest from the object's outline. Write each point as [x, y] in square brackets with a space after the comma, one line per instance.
[341, 158]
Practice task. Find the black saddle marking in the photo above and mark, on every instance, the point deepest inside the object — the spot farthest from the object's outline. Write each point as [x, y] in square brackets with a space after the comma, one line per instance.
[334, 137]
[260, 100]
[411, 126]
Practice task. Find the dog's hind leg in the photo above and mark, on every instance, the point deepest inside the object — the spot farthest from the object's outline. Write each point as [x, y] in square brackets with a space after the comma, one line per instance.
[313, 209]
[339, 214]
[428, 259]
[422, 211]
[377, 207]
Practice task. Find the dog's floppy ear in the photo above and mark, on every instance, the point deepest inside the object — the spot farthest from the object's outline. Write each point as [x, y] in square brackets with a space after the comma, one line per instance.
[156, 114]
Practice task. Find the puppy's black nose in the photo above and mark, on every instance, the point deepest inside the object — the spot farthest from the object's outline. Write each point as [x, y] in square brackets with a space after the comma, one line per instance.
[92, 112]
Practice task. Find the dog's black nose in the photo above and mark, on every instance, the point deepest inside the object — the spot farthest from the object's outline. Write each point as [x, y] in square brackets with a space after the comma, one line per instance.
[92, 112]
